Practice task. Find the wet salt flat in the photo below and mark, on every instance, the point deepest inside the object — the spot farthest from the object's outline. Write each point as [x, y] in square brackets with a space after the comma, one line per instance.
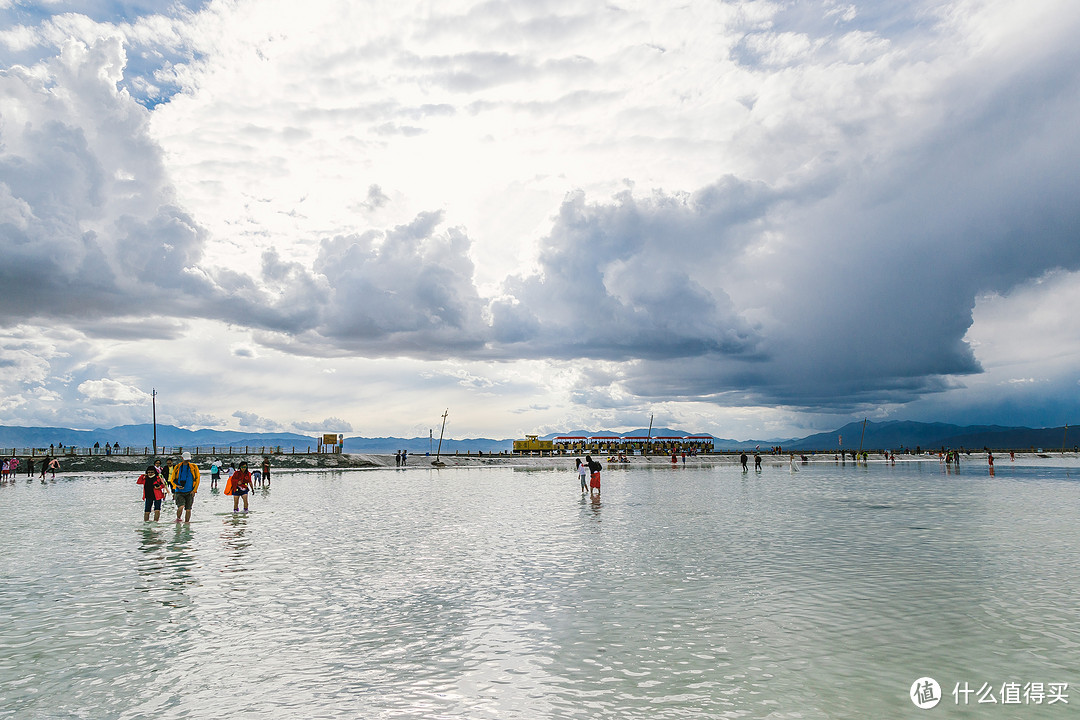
[503, 593]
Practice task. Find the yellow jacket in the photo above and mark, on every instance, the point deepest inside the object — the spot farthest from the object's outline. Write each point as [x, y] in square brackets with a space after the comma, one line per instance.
[184, 481]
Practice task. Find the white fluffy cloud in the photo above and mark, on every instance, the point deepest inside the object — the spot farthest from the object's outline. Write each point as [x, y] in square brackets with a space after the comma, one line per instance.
[88, 227]
[112, 391]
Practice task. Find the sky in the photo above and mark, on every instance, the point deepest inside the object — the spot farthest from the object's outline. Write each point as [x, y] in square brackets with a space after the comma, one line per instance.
[756, 219]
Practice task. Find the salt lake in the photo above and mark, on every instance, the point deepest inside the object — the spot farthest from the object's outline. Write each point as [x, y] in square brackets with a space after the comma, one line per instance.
[502, 592]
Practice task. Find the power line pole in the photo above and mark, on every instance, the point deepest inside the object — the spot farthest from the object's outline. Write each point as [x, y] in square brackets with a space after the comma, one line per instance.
[153, 401]
[438, 452]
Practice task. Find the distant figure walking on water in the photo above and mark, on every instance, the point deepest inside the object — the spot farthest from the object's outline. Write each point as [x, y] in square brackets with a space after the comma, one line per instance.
[184, 479]
[743, 459]
[153, 492]
[594, 474]
[215, 473]
[757, 461]
[49, 465]
[239, 485]
[583, 475]
[266, 470]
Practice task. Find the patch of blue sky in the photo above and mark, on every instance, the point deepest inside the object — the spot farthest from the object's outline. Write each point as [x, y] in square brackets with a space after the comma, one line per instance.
[24, 12]
[886, 18]
[831, 18]
[143, 76]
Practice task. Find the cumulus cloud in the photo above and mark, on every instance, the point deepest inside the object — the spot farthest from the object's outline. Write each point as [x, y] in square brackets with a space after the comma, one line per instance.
[154, 31]
[330, 424]
[113, 391]
[636, 278]
[251, 421]
[87, 223]
[406, 290]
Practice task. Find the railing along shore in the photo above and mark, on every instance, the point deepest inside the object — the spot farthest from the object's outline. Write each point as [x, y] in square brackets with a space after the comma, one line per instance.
[235, 450]
[71, 451]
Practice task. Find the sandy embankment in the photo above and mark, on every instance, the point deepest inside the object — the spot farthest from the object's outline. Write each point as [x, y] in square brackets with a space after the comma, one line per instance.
[119, 463]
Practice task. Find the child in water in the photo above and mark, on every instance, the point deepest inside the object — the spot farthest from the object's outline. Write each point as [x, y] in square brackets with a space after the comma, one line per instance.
[238, 486]
[153, 492]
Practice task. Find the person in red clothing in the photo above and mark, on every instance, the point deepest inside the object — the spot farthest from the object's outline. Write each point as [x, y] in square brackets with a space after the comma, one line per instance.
[153, 492]
[239, 485]
[594, 477]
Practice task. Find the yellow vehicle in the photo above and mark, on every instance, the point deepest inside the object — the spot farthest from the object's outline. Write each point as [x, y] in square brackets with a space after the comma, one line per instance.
[533, 445]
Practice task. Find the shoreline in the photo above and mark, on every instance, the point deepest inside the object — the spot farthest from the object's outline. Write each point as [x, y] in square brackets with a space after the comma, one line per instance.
[376, 461]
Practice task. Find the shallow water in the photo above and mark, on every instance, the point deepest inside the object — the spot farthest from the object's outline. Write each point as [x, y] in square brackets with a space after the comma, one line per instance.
[503, 593]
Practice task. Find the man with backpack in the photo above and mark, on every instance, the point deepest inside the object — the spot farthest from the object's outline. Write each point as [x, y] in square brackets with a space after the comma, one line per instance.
[184, 479]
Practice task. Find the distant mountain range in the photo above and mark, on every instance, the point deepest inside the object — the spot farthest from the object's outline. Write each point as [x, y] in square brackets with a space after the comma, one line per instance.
[887, 435]
[897, 434]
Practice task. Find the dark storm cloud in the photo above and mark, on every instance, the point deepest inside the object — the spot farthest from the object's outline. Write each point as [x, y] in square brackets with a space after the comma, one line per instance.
[143, 328]
[637, 278]
[870, 295]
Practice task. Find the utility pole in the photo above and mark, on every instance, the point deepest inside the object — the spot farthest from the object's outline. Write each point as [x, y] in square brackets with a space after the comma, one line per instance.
[153, 402]
[436, 461]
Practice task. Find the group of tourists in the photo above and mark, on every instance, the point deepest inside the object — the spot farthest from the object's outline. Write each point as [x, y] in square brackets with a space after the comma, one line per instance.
[10, 467]
[182, 480]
